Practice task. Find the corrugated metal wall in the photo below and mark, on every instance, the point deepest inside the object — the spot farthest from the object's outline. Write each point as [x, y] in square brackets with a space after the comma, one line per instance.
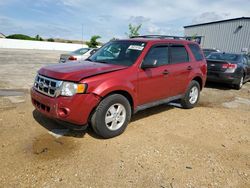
[223, 35]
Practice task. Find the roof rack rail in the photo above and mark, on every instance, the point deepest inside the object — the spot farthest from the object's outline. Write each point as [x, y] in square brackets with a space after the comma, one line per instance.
[159, 36]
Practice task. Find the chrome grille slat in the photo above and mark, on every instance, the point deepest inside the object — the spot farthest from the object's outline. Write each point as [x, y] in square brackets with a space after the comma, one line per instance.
[47, 86]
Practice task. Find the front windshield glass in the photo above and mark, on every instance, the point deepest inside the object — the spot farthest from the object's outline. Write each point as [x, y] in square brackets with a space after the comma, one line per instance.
[81, 51]
[206, 53]
[119, 53]
[223, 56]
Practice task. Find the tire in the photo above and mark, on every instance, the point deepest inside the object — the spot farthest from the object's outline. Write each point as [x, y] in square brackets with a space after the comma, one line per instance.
[187, 101]
[111, 116]
[240, 84]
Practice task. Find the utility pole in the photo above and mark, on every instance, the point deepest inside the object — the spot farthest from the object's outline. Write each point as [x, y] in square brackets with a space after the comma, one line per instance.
[82, 34]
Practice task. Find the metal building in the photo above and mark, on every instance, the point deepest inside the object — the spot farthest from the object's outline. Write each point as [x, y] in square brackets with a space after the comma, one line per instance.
[232, 35]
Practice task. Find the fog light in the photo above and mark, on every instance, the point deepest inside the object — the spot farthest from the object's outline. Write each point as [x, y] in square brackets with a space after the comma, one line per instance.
[63, 112]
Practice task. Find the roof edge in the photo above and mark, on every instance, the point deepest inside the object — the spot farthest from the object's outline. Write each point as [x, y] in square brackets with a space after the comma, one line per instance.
[207, 23]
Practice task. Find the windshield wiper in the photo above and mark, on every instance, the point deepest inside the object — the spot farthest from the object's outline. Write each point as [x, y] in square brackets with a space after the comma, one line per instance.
[102, 62]
[88, 59]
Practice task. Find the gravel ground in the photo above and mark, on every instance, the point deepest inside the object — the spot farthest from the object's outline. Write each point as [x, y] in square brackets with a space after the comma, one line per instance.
[165, 146]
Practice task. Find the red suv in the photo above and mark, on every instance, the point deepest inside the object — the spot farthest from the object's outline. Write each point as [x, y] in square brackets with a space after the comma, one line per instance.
[121, 78]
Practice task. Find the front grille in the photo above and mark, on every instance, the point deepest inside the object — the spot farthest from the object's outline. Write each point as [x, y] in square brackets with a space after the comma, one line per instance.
[47, 86]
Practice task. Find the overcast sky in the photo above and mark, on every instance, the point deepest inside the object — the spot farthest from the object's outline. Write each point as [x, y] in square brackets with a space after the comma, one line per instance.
[110, 18]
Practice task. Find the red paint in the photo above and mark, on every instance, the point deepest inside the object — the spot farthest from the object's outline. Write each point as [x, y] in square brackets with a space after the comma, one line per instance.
[78, 106]
[77, 71]
[142, 85]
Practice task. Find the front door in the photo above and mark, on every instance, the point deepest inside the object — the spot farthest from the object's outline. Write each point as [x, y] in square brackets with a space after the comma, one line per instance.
[153, 82]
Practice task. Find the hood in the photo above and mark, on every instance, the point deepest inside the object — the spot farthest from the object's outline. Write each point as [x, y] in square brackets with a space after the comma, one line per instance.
[77, 71]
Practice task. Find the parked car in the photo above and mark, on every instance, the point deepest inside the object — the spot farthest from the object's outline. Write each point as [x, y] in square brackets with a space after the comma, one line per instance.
[228, 68]
[121, 78]
[208, 51]
[80, 54]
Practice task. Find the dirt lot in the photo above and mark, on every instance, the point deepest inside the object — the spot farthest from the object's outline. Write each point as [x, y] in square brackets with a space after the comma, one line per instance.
[166, 146]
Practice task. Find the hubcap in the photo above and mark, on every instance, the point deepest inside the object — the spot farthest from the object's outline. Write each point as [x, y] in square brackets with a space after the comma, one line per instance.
[115, 117]
[193, 95]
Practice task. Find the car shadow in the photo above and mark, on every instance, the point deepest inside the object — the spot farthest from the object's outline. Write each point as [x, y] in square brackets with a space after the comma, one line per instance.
[215, 85]
[154, 110]
[54, 127]
[57, 129]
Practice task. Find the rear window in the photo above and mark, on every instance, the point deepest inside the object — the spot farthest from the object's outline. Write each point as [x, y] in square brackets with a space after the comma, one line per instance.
[178, 54]
[224, 56]
[196, 51]
[81, 51]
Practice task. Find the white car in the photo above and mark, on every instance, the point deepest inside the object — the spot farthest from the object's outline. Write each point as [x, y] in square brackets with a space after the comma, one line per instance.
[80, 54]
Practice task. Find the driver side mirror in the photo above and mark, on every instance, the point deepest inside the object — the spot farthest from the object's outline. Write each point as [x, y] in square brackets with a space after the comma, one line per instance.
[149, 65]
[92, 52]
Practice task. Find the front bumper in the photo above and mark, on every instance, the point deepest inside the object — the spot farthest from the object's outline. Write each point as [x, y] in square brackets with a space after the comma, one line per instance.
[228, 78]
[75, 109]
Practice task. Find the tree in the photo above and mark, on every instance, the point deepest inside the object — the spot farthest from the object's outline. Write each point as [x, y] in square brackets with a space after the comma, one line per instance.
[38, 38]
[133, 30]
[51, 40]
[93, 41]
[113, 39]
[20, 36]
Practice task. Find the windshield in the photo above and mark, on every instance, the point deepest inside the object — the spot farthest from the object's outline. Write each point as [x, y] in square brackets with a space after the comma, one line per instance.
[119, 53]
[223, 56]
[206, 53]
[81, 51]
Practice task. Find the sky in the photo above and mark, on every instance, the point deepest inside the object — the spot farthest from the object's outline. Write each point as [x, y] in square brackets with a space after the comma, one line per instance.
[77, 19]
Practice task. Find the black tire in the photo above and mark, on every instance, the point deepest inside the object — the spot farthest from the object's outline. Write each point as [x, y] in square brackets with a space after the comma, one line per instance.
[240, 84]
[98, 118]
[185, 101]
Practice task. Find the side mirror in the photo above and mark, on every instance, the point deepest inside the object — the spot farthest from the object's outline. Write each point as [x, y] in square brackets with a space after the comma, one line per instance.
[92, 52]
[148, 66]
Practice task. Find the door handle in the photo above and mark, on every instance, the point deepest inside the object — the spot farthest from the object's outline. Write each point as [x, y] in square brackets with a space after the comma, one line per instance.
[165, 72]
[189, 68]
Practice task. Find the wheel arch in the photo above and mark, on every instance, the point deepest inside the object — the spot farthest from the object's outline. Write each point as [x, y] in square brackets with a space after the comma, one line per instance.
[199, 80]
[124, 93]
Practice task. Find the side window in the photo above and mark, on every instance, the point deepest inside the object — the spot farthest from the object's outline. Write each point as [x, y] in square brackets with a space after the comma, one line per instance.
[248, 60]
[157, 56]
[178, 54]
[244, 60]
[196, 51]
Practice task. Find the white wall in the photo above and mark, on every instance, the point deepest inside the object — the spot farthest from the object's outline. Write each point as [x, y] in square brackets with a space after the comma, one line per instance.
[40, 45]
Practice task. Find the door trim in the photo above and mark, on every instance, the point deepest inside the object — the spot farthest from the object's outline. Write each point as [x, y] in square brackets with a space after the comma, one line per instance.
[157, 103]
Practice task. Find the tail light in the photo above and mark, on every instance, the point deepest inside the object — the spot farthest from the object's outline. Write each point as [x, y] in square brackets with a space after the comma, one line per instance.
[72, 58]
[230, 67]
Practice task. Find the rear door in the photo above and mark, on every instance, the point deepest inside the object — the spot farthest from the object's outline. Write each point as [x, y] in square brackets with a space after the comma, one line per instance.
[179, 69]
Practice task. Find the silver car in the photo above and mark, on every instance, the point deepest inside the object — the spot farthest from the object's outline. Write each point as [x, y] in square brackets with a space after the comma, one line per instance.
[80, 54]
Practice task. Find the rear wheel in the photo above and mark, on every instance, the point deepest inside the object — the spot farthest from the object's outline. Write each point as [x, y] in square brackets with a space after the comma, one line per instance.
[111, 117]
[192, 95]
[240, 84]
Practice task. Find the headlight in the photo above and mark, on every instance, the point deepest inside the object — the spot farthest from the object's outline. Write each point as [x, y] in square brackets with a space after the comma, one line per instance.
[70, 88]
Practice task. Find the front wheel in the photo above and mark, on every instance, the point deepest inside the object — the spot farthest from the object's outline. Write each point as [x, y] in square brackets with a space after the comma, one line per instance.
[112, 116]
[192, 95]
